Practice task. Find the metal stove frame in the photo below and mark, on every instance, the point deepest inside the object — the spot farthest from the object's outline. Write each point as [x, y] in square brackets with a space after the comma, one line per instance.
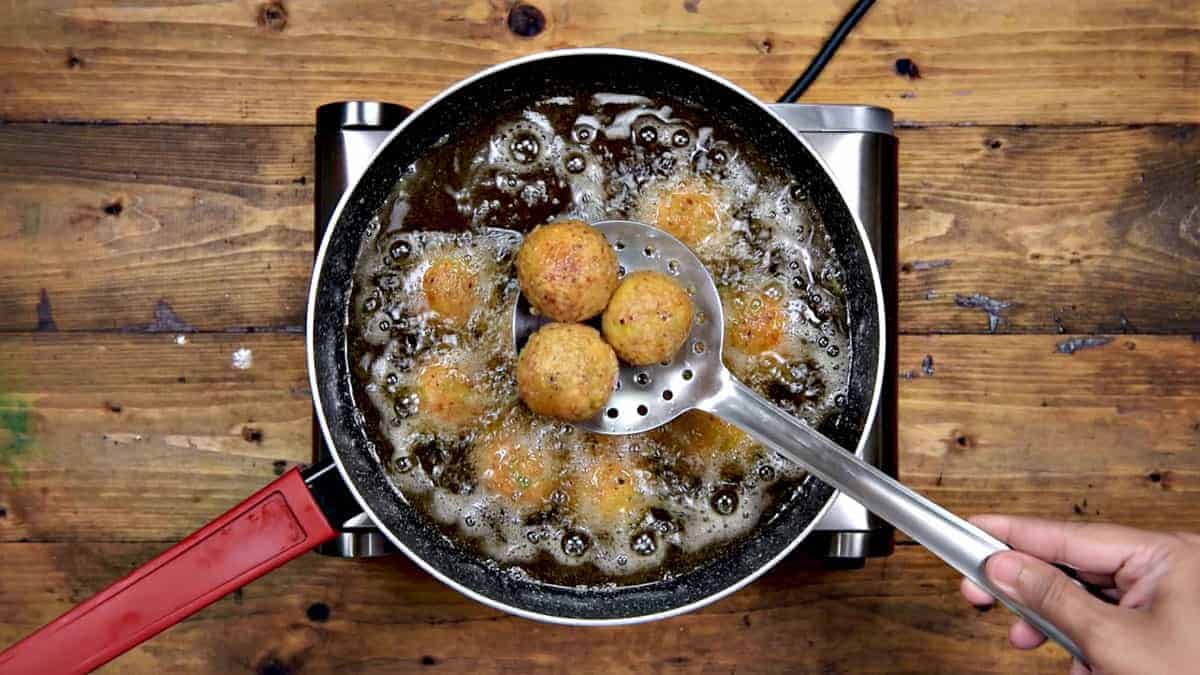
[856, 142]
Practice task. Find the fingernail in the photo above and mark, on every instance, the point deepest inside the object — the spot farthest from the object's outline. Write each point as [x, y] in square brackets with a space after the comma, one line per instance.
[1004, 569]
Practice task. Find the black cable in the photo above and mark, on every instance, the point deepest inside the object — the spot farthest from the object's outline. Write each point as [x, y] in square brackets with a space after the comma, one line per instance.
[823, 57]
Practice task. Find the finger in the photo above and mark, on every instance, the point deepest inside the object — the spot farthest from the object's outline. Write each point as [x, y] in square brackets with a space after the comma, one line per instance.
[1088, 547]
[1024, 636]
[1105, 581]
[1078, 668]
[975, 595]
[1051, 594]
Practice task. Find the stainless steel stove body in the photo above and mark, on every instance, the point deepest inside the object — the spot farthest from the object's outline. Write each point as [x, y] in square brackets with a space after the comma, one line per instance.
[858, 145]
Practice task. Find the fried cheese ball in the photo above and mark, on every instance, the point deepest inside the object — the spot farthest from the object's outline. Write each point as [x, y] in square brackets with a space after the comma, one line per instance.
[753, 322]
[648, 318]
[567, 270]
[566, 370]
[516, 470]
[707, 440]
[604, 494]
[451, 289]
[447, 397]
[689, 214]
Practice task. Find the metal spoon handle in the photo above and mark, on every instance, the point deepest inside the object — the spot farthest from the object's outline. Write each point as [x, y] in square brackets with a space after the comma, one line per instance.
[960, 544]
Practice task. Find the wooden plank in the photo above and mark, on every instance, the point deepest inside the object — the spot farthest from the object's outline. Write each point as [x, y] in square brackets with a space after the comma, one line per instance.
[902, 615]
[122, 450]
[273, 62]
[139, 437]
[1074, 228]
[215, 222]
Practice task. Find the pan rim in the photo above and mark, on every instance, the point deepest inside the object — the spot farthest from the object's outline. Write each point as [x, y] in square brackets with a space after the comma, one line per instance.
[316, 385]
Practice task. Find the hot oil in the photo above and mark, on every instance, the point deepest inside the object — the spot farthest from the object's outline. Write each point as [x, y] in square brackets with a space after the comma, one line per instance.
[589, 158]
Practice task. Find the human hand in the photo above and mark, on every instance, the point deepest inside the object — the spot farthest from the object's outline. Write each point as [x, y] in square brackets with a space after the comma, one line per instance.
[1153, 577]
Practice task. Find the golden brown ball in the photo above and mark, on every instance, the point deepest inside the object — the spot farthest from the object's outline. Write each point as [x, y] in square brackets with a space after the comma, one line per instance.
[753, 322]
[604, 494]
[566, 370]
[446, 396]
[451, 289]
[648, 318]
[688, 214]
[707, 440]
[567, 270]
[516, 470]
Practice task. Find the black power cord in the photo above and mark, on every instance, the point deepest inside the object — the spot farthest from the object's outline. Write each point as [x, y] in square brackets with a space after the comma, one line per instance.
[823, 57]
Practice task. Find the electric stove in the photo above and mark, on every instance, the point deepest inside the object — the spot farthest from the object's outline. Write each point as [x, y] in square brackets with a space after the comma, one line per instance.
[857, 144]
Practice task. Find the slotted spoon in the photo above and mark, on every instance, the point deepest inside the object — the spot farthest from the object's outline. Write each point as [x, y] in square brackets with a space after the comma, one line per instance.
[696, 378]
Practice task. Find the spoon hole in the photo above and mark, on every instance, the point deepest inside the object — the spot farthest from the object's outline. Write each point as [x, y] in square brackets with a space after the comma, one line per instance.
[668, 395]
[643, 410]
[619, 245]
[698, 346]
[648, 251]
[620, 271]
[612, 413]
[687, 374]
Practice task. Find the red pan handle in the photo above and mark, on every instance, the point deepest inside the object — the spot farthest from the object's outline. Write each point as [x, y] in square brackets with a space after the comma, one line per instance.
[274, 525]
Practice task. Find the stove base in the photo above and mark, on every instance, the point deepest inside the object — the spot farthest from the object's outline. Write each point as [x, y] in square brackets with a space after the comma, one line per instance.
[857, 144]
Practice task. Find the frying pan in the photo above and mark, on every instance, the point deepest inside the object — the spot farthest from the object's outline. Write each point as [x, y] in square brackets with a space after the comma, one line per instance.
[293, 514]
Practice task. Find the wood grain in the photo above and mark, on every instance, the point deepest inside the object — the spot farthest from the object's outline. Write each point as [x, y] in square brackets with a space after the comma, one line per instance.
[389, 616]
[138, 439]
[1078, 229]
[247, 62]
[124, 451]
[215, 221]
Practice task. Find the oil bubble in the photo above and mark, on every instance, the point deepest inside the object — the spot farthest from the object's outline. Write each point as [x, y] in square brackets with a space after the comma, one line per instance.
[400, 250]
[525, 148]
[582, 133]
[766, 472]
[576, 163]
[644, 543]
[724, 501]
[507, 181]
[680, 138]
[575, 544]
[647, 135]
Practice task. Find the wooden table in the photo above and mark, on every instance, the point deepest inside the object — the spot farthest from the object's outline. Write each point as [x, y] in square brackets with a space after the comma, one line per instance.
[155, 216]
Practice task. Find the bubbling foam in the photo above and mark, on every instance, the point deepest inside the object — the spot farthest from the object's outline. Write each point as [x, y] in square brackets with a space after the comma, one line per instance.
[590, 158]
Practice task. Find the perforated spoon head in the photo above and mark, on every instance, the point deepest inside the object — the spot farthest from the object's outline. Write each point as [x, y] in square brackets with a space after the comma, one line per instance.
[648, 397]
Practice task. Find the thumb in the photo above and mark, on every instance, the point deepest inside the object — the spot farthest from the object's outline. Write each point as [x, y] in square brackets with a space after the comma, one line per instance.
[1053, 595]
